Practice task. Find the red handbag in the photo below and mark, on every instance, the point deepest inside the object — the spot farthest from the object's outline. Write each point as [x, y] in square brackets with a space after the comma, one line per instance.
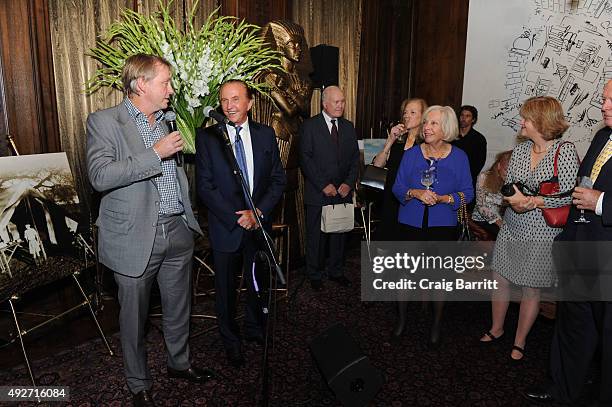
[554, 217]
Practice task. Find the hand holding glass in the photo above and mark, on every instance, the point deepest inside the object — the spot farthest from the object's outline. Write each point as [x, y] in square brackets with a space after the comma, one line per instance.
[428, 177]
[584, 182]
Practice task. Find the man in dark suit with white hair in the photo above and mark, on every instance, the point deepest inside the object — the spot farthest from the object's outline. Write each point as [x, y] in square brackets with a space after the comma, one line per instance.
[329, 158]
[584, 319]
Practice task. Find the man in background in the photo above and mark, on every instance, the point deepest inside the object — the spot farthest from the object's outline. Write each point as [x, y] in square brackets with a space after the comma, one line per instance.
[471, 141]
[145, 224]
[232, 225]
[329, 158]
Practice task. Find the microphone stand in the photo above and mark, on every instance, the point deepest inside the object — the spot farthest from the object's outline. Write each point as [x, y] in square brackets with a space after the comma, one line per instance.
[269, 251]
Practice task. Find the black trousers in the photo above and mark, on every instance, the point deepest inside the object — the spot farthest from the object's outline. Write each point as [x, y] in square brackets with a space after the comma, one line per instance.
[316, 244]
[227, 267]
[580, 328]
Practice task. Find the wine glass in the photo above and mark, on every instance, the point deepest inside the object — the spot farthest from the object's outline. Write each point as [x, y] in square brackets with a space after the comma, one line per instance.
[401, 138]
[428, 177]
[584, 182]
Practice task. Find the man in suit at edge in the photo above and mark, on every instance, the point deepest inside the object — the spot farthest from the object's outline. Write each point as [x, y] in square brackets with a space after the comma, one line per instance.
[329, 158]
[232, 233]
[145, 224]
[583, 325]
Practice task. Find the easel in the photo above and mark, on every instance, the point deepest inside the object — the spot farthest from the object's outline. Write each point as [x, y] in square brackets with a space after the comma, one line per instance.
[86, 302]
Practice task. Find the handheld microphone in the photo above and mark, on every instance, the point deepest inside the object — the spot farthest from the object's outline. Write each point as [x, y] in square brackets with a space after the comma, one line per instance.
[209, 111]
[171, 122]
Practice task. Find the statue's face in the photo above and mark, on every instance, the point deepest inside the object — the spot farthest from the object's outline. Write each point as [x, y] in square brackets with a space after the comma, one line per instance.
[292, 49]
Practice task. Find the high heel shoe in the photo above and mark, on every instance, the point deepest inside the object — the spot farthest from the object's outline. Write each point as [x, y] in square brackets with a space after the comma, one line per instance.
[519, 350]
[400, 326]
[492, 338]
[434, 333]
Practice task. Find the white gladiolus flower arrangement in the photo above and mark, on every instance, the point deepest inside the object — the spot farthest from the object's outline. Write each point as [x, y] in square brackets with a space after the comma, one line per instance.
[202, 59]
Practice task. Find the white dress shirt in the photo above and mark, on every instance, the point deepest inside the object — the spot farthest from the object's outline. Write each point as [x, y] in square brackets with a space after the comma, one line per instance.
[245, 135]
[328, 120]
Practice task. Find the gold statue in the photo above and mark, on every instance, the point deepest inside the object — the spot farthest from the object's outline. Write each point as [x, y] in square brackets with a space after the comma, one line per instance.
[291, 92]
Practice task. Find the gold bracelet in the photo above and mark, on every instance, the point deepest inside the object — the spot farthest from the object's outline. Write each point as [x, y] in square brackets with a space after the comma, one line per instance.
[451, 200]
[408, 195]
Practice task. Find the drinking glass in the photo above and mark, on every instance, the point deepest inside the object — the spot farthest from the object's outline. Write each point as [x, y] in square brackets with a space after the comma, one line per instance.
[584, 182]
[428, 177]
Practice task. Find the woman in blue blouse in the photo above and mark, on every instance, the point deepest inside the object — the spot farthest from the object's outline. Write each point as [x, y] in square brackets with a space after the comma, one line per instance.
[430, 214]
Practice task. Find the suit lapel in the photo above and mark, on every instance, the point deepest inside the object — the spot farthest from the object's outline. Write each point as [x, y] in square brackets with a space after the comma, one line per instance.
[605, 169]
[593, 153]
[258, 154]
[130, 131]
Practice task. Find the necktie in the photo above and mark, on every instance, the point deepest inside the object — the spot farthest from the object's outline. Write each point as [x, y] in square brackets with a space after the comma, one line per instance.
[241, 156]
[334, 131]
[603, 157]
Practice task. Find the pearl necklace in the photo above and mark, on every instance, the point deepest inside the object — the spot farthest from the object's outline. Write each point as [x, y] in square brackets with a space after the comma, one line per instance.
[541, 152]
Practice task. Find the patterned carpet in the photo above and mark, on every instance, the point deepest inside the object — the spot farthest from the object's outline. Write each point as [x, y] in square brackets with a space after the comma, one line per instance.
[461, 372]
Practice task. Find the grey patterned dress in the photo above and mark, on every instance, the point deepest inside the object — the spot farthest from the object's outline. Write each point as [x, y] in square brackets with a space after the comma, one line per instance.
[522, 251]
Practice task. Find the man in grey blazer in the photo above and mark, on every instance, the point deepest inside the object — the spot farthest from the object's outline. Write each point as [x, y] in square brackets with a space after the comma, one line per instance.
[145, 224]
[329, 158]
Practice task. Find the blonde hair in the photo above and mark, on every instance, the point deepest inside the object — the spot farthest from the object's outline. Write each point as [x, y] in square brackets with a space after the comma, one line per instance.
[423, 104]
[140, 66]
[448, 121]
[546, 114]
[420, 101]
[493, 180]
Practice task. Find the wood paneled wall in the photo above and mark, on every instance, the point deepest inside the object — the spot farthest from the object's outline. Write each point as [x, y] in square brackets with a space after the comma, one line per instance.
[439, 50]
[28, 76]
[3, 114]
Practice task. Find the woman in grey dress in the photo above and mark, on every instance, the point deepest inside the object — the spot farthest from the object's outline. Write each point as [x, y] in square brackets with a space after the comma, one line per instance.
[522, 254]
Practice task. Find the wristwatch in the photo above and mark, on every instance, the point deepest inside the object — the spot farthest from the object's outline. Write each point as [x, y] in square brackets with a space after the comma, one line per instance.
[409, 195]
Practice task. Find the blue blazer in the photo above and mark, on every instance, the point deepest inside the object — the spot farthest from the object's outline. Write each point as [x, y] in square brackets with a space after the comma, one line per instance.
[600, 227]
[453, 175]
[220, 191]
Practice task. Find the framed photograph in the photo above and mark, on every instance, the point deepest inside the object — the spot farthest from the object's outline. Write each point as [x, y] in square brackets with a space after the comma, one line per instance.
[371, 147]
[39, 220]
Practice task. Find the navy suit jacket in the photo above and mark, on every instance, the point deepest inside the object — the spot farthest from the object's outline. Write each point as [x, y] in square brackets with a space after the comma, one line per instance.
[220, 190]
[600, 227]
[324, 163]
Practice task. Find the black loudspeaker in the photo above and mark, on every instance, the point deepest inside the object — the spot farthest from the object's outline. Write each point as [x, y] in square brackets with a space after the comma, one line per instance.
[345, 368]
[325, 64]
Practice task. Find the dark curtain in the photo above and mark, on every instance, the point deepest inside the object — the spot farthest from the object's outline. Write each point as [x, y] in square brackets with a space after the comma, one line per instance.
[385, 69]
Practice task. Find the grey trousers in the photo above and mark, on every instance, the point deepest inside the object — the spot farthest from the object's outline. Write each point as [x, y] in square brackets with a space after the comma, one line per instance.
[170, 264]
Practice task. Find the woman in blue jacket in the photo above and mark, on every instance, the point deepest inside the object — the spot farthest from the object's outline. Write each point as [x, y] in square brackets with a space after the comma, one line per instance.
[429, 212]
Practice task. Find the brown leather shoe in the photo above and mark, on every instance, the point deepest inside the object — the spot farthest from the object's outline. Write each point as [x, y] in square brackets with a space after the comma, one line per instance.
[143, 399]
[193, 374]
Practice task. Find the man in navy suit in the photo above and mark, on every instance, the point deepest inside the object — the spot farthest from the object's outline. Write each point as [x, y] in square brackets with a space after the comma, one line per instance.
[232, 226]
[583, 323]
[329, 158]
